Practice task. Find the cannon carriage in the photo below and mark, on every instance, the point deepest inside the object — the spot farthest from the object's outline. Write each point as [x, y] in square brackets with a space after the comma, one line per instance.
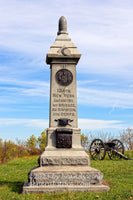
[114, 149]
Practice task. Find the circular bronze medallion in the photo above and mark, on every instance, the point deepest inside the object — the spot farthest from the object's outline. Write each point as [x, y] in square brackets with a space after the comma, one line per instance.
[64, 77]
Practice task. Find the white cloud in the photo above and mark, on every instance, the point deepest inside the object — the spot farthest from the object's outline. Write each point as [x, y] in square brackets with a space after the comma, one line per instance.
[24, 82]
[41, 123]
[25, 88]
[105, 98]
[29, 25]
[102, 31]
[96, 96]
[91, 124]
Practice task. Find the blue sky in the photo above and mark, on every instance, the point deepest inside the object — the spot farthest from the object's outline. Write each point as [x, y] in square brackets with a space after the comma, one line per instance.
[102, 31]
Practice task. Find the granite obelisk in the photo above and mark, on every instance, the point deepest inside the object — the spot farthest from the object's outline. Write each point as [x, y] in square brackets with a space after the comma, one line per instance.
[64, 165]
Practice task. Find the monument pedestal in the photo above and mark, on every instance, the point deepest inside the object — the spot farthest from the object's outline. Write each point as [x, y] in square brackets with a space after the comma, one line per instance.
[64, 178]
[64, 170]
[64, 165]
[63, 157]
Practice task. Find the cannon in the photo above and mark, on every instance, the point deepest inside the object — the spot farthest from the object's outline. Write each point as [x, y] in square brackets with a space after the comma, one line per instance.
[114, 149]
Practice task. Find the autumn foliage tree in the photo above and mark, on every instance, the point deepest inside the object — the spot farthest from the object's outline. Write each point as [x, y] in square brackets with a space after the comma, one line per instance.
[10, 150]
[84, 141]
[127, 138]
[31, 145]
[42, 140]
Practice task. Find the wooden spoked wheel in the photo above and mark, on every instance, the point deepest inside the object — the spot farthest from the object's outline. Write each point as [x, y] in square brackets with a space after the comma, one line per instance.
[97, 149]
[117, 150]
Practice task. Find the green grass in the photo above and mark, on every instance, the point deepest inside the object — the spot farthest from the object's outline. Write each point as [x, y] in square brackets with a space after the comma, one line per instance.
[117, 174]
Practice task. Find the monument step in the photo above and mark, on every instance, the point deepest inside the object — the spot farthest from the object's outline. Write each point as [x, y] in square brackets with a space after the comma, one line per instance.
[60, 188]
[65, 178]
[63, 157]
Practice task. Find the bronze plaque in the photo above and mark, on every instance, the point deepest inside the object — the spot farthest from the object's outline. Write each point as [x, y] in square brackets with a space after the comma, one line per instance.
[64, 77]
[63, 139]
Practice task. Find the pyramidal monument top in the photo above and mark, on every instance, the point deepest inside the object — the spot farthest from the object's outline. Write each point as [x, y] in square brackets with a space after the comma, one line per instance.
[63, 47]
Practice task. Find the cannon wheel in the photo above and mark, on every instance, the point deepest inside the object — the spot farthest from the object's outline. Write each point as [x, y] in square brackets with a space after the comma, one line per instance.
[114, 152]
[97, 149]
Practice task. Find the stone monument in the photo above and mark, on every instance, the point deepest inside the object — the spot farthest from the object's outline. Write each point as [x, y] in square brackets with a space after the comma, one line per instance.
[64, 165]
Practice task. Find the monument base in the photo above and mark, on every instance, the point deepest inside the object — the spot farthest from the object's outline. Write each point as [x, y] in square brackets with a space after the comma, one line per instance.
[54, 189]
[64, 157]
[64, 178]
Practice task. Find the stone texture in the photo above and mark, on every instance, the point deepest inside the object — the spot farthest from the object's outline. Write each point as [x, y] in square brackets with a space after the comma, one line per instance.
[63, 102]
[63, 169]
[54, 189]
[63, 41]
[65, 178]
[64, 161]
[64, 157]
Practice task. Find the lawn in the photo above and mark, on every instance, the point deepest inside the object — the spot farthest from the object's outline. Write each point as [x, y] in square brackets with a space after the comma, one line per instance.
[118, 175]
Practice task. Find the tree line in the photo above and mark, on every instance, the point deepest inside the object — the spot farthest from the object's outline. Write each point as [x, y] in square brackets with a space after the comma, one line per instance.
[32, 146]
[35, 146]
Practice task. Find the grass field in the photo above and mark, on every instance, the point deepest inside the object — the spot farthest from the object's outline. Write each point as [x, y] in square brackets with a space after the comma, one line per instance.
[117, 174]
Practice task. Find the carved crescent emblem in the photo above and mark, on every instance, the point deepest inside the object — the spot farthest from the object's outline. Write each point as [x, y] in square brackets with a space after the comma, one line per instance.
[65, 51]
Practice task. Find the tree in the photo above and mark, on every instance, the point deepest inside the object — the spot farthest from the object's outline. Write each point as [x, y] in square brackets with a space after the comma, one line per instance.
[21, 148]
[1, 142]
[84, 141]
[42, 141]
[31, 144]
[127, 138]
[1, 149]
